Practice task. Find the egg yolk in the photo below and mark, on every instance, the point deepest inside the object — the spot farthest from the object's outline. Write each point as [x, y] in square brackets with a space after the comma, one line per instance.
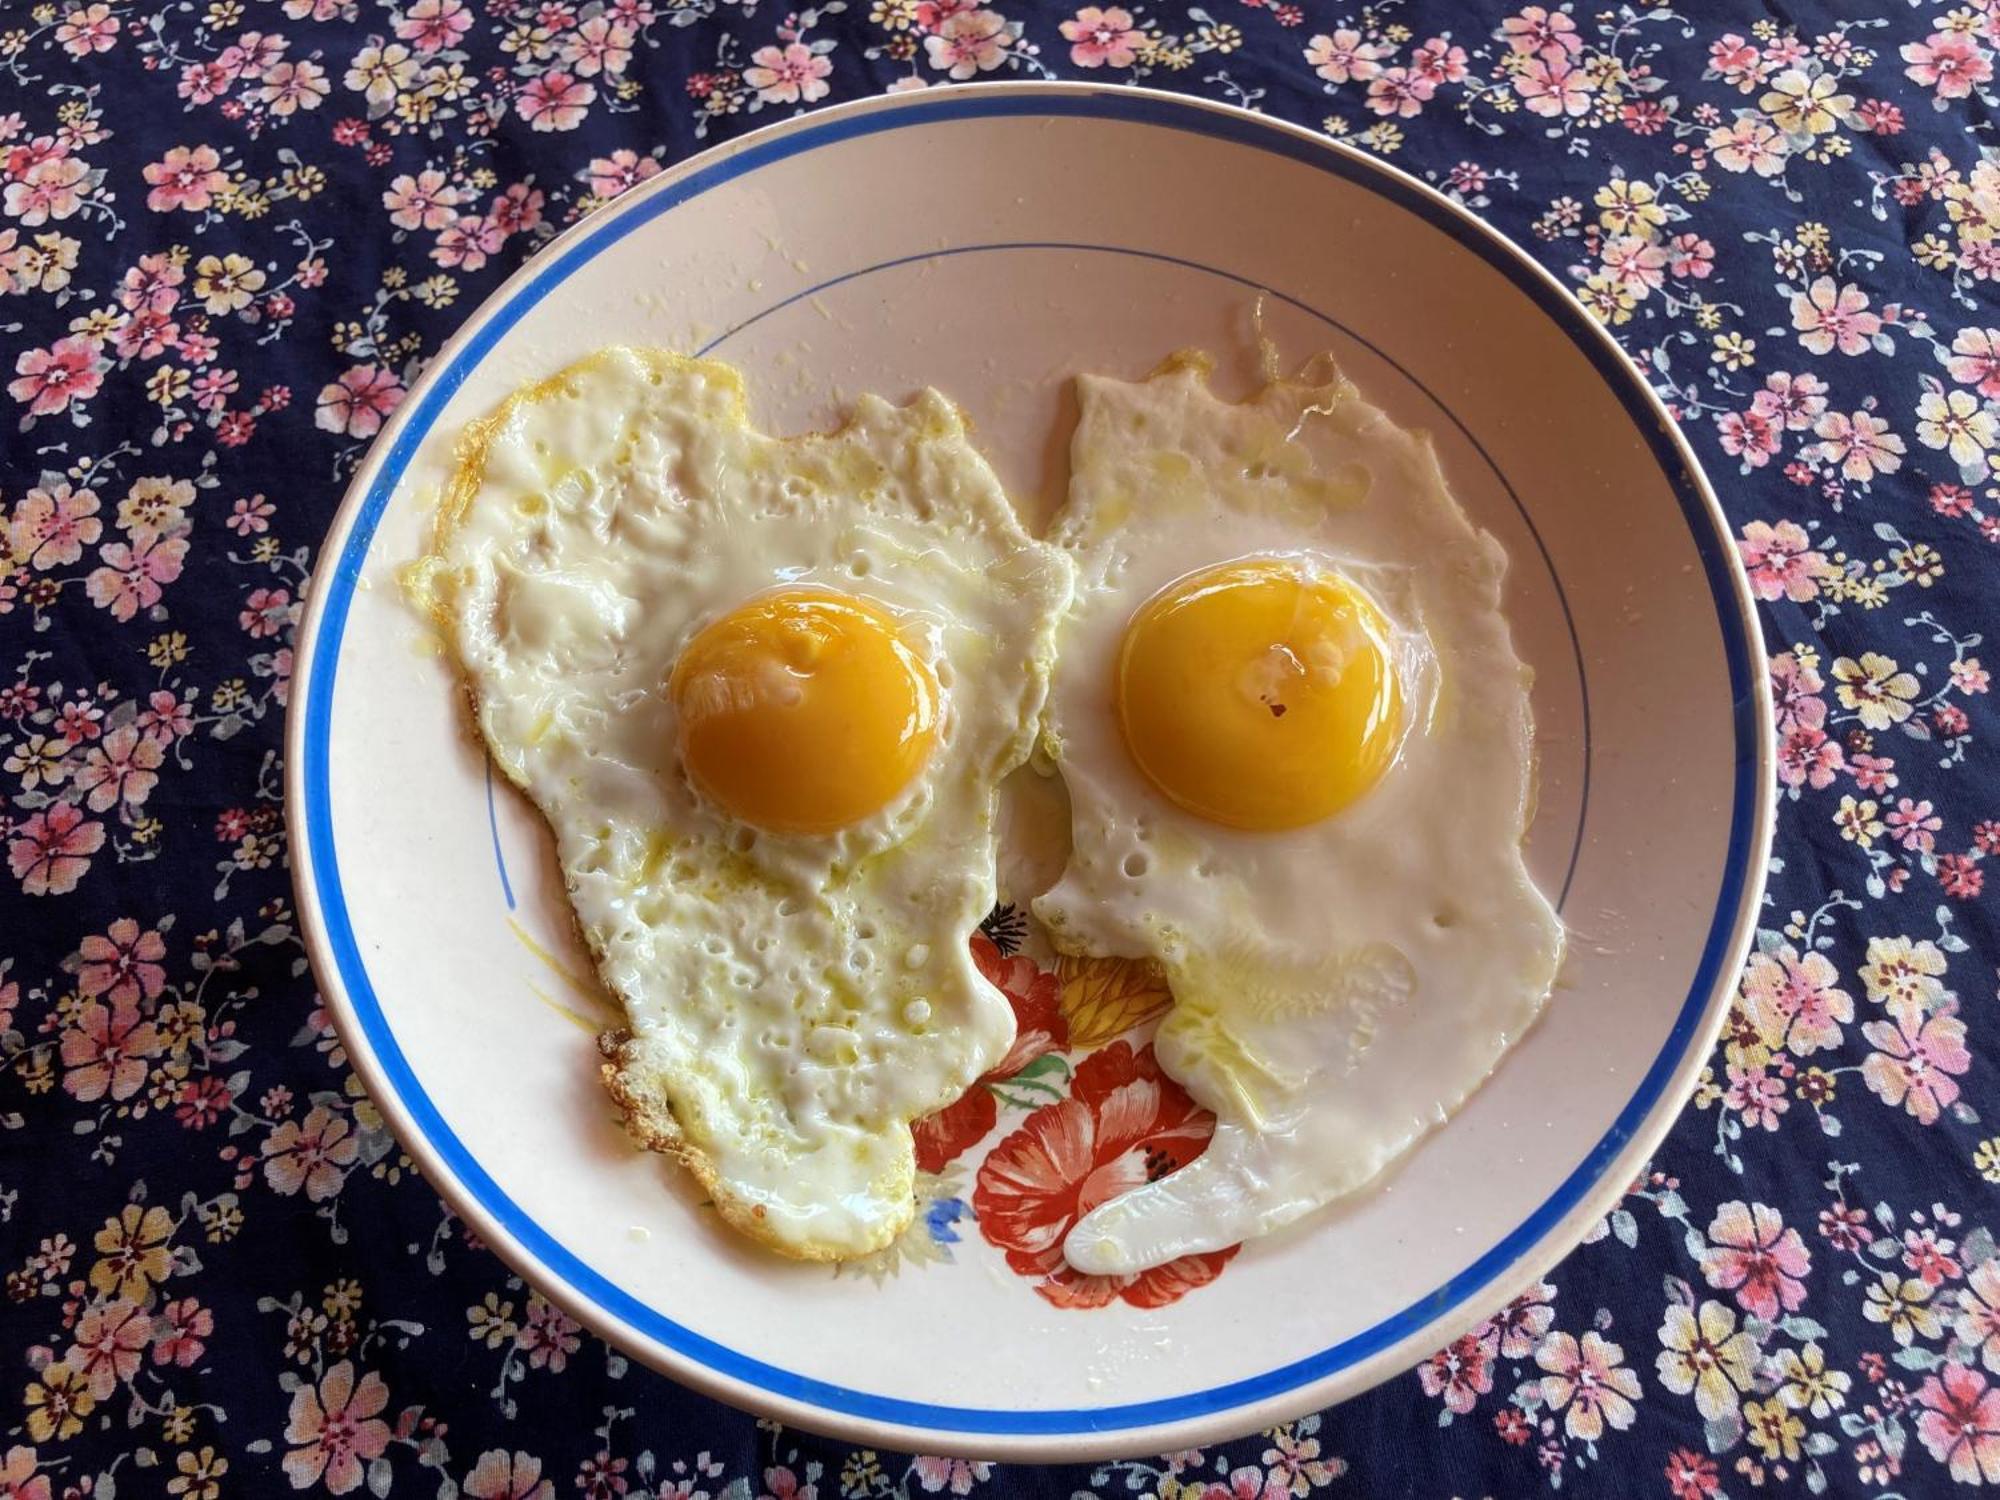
[803, 711]
[1258, 694]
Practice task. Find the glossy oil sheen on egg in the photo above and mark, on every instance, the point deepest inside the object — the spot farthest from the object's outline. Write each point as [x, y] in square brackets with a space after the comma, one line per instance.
[1340, 986]
[790, 949]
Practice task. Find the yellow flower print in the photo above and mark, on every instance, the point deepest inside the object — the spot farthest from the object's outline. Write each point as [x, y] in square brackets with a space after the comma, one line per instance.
[134, 1252]
[1806, 1384]
[1628, 206]
[58, 1403]
[226, 284]
[1875, 688]
[1800, 104]
[1734, 352]
[1773, 1431]
[1904, 975]
[1986, 1158]
[1705, 1353]
[1858, 821]
[1904, 1304]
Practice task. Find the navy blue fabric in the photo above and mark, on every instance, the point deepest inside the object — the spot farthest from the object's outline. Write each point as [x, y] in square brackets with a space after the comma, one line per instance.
[231, 234]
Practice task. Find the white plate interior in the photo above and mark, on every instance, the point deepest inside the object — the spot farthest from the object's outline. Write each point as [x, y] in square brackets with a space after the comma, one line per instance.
[995, 255]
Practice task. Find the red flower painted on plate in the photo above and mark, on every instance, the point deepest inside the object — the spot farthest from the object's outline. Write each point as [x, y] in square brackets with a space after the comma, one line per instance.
[1039, 1029]
[1124, 1123]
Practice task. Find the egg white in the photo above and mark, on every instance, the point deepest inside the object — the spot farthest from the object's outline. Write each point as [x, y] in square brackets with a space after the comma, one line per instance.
[1340, 988]
[793, 1002]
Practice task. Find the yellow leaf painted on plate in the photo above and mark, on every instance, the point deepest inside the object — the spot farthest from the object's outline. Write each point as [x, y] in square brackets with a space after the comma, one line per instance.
[1104, 997]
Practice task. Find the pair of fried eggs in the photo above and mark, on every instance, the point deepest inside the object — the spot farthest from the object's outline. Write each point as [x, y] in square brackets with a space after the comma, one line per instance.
[765, 692]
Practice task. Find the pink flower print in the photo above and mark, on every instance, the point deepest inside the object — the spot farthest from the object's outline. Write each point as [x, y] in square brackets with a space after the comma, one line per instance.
[1439, 61]
[18, 1479]
[957, 1475]
[1795, 690]
[356, 403]
[1797, 399]
[1960, 1424]
[1539, 32]
[339, 1425]
[1915, 1060]
[1522, 1323]
[1976, 360]
[123, 965]
[1737, 61]
[1461, 1373]
[1756, 1096]
[111, 1338]
[68, 370]
[599, 45]
[555, 101]
[51, 527]
[52, 850]
[1782, 561]
[1749, 145]
[1245, 1483]
[180, 1333]
[105, 1052]
[314, 1156]
[1830, 316]
[1552, 85]
[122, 769]
[80, 720]
[251, 516]
[134, 573]
[205, 82]
[1587, 1381]
[1399, 93]
[549, 1336]
[502, 1476]
[291, 87]
[1809, 759]
[520, 208]
[780, 1483]
[52, 188]
[623, 169]
[425, 201]
[932, 14]
[788, 74]
[1634, 263]
[971, 42]
[251, 54]
[1949, 62]
[1860, 443]
[1753, 1254]
[1344, 57]
[1979, 1312]
[1913, 824]
[1751, 435]
[468, 242]
[1689, 256]
[266, 612]
[1103, 38]
[1930, 1257]
[1794, 1001]
[433, 25]
[165, 718]
[88, 29]
[187, 177]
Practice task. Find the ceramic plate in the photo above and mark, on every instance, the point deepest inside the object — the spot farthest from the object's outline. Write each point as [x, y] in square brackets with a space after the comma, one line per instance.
[993, 242]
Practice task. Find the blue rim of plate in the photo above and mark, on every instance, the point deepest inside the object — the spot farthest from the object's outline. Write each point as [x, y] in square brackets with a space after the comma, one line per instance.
[591, 1287]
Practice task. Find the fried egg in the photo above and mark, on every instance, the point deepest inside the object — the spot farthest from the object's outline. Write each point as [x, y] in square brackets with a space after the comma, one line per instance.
[1298, 749]
[763, 692]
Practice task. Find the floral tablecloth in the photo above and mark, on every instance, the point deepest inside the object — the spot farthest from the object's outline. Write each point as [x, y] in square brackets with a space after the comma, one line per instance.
[232, 232]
